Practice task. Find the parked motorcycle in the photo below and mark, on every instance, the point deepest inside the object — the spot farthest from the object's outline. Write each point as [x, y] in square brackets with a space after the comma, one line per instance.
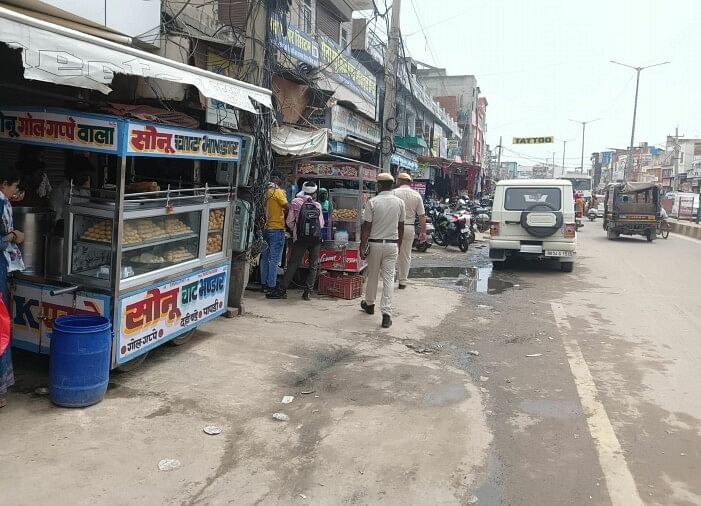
[591, 214]
[453, 230]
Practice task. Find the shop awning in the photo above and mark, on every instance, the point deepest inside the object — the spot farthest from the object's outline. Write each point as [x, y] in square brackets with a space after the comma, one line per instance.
[59, 55]
[287, 140]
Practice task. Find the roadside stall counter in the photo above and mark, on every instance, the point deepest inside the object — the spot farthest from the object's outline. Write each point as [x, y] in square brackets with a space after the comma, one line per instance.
[155, 260]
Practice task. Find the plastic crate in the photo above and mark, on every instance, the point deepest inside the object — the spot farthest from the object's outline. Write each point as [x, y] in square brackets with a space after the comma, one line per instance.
[343, 286]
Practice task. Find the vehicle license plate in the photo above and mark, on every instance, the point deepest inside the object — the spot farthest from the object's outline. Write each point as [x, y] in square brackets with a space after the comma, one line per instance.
[559, 253]
[465, 230]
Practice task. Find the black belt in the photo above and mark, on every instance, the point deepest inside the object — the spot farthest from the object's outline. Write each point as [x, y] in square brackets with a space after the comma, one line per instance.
[390, 241]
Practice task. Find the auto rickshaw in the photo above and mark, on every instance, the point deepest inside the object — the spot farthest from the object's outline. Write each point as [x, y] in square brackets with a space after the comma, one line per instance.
[631, 209]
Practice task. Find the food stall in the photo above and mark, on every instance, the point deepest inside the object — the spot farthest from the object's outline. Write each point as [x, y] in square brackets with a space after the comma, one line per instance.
[350, 184]
[154, 259]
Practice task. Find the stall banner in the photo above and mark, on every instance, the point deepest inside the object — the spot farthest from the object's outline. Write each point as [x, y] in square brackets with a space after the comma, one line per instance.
[419, 186]
[159, 140]
[69, 130]
[337, 259]
[157, 314]
[686, 208]
[34, 310]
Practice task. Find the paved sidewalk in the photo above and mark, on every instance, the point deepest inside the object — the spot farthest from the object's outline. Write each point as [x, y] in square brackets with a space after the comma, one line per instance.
[373, 420]
[687, 228]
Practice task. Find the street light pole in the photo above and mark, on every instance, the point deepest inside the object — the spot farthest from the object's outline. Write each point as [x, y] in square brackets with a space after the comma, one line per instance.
[629, 161]
[564, 147]
[584, 126]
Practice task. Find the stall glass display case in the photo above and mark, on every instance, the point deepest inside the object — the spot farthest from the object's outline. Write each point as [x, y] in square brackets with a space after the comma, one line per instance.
[346, 211]
[215, 230]
[156, 240]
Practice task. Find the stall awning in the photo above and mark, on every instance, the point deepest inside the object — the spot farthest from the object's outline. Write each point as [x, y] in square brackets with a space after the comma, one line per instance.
[287, 140]
[59, 55]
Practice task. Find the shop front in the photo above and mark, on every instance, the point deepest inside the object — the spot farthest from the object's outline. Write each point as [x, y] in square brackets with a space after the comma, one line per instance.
[350, 185]
[153, 257]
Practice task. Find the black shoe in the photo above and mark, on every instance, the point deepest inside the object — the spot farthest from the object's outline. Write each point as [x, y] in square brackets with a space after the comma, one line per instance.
[265, 288]
[277, 293]
[401, 286]
[369, 309]
[386, 321]
[306, 296]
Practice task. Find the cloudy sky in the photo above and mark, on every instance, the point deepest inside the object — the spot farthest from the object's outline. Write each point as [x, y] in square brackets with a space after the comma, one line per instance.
[543, 62]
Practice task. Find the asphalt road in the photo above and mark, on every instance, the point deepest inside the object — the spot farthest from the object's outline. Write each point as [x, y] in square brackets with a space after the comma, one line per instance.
[609, 410]
[530, 387]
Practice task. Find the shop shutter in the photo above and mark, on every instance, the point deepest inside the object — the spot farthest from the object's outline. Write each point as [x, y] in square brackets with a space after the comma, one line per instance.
[55, 159]
[327, 23]
[233, 13]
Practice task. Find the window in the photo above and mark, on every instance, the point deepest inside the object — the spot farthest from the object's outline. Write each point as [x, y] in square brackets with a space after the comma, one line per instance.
[306, 16]
[345, 40]
[520, 199]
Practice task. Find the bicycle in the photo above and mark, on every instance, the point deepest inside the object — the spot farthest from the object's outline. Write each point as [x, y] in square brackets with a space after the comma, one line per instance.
[663, 229]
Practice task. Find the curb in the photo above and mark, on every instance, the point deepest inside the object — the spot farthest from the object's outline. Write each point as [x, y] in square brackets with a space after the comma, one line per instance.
[689, 230]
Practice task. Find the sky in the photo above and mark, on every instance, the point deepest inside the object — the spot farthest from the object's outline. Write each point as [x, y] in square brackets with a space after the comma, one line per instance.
[543, 62]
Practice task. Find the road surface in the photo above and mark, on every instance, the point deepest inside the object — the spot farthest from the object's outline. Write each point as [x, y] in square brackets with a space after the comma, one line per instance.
[533, 387]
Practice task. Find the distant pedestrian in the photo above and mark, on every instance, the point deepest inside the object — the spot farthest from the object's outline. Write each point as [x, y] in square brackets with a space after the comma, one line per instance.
[275, 208]
[306, 222]
[414, 206]
[380, 241]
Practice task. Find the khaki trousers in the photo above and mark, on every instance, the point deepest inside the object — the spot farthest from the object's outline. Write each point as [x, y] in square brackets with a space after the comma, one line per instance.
[404, 260]
[382, 261]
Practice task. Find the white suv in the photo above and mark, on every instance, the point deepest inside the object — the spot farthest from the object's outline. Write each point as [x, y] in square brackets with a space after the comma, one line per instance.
[533, 218]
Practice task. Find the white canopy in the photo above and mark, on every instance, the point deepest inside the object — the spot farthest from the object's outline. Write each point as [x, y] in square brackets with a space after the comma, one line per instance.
[287, 140]
[59, 55]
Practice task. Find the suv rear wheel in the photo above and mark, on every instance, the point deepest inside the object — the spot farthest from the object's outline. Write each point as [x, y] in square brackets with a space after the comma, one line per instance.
[566, 266]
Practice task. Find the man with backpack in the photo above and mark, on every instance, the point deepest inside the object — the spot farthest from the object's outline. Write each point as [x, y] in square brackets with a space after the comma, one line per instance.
[306, 221]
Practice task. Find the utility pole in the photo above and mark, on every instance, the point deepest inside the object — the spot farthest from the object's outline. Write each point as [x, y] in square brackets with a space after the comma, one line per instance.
[564, 147]
[499, 158]
[584, 126]
[676, 157]
[629, 161]
[389, 111]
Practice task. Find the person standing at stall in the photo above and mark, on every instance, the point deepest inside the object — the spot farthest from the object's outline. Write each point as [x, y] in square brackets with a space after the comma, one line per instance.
[414, 206]
[306, 222]
[10, 260]
[325, 210]
[276, 207]
[382, 231]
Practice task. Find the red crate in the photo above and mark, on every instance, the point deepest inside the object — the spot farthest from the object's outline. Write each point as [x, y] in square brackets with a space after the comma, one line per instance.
[341, 285]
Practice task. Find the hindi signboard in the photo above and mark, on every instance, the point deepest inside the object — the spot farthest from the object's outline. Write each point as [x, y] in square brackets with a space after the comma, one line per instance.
[294, 42]
[159, 313]
[345, 69]
[159, 140]
[686, 207]
[67, 130]
[534, 140]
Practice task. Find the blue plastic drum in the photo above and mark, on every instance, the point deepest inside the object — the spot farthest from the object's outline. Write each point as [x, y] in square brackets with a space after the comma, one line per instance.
[79, 364]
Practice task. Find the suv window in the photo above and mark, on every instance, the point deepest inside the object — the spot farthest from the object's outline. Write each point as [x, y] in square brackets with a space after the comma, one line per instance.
[520, 199]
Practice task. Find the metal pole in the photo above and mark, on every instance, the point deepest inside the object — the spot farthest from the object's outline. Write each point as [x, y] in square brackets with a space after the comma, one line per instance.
[581, 162]
[389, 110]
[499, 158]
[564, 146]
[629, 165]
[629, 162]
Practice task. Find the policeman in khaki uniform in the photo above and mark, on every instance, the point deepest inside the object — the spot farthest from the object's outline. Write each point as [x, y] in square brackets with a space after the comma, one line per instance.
[380, 241]
[414, 205]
